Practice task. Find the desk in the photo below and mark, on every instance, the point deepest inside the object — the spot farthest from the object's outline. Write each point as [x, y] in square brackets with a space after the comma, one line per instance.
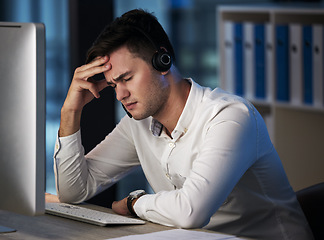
[53, 227]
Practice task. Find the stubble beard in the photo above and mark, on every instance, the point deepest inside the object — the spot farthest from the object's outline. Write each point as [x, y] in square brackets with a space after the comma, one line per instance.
[156, 99]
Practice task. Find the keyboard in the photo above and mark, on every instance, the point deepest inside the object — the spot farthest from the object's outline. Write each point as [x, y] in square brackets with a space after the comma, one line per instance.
[83, 214]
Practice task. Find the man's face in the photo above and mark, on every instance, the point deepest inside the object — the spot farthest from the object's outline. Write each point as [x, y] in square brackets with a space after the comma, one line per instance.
[143, 91]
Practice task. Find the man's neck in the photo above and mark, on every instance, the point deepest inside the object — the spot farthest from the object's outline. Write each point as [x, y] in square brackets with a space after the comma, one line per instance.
[178, 97]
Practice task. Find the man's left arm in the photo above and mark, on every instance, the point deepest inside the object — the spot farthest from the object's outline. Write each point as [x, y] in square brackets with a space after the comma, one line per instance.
[228, 151]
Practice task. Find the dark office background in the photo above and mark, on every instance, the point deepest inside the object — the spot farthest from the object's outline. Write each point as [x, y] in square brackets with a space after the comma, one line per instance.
[72, 26]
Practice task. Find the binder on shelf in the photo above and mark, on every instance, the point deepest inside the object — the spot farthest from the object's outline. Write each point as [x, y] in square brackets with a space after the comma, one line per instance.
[274, 57]
[269, 61]
[318, 64]
[296, 63]
[238, 59]
[259, 58]
[248, 60]
[229, 55]
[307, 64]
[282, 63]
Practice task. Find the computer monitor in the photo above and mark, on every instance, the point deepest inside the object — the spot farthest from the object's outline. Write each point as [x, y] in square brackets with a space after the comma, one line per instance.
[22, 117]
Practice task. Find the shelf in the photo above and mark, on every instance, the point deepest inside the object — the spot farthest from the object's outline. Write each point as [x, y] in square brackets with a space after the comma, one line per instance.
[295, 128]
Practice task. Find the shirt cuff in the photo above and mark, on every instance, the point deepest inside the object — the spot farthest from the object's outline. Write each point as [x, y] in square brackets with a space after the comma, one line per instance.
[140, 206]
[65, 146]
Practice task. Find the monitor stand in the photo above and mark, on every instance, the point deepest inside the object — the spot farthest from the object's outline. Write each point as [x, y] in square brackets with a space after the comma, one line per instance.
[4, 229]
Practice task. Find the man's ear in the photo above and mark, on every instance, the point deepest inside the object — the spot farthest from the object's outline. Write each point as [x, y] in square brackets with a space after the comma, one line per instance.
[165, 73]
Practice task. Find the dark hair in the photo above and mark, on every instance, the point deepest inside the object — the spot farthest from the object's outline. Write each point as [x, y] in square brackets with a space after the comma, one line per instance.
[133, 29]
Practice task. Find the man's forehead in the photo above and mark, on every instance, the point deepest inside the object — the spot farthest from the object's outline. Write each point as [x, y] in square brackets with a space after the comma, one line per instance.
[114, 76]
[121, 61]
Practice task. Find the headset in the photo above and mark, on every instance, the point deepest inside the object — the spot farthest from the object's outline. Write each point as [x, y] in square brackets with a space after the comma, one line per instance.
[161, 59]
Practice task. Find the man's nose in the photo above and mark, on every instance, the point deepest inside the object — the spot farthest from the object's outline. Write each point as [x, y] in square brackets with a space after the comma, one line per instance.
[121, 92]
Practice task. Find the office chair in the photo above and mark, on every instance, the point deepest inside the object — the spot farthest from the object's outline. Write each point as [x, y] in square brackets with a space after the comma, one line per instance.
[311, 200]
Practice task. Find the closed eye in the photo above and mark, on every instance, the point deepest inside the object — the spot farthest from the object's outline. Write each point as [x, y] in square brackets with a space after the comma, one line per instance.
[120, 78]
[127, 79]
[113, 85]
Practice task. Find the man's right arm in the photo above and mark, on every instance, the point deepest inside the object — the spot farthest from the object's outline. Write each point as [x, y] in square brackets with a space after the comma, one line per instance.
[78, 177]
[70, 122]
[82, 90]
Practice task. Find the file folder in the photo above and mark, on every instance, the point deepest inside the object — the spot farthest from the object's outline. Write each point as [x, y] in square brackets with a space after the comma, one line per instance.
[229, 56]
[269, 61]
[308, 64]
[259, 43]
[318, 65]
[238, 59]
[296, 63]
[249, 63]
[282, 63]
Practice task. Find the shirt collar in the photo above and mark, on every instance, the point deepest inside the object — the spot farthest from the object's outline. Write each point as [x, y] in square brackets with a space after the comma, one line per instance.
[193, 101]
[156, 127]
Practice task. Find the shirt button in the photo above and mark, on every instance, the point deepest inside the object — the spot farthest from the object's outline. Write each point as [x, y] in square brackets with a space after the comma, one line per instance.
[171, 145]
[167, 175]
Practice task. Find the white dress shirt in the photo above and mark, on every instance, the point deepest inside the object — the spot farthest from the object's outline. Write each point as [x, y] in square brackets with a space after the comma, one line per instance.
[219, 170]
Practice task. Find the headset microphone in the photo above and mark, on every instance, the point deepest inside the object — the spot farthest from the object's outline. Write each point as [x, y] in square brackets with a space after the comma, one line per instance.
[128, 113]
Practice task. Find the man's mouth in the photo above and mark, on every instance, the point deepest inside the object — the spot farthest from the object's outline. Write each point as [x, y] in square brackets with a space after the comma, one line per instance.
[131, 105]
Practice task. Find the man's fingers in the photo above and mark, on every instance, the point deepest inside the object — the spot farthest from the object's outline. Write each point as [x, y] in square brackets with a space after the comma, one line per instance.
[99, 61]
[87, 73]
[83, 89]
[97, 66]
[93, 87]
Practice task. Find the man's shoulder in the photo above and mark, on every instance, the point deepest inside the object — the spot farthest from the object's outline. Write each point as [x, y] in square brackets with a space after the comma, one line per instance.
[219, 97]
[217, 101]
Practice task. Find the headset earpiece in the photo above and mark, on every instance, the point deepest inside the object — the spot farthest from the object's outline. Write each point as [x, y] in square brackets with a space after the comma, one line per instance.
[161, 60]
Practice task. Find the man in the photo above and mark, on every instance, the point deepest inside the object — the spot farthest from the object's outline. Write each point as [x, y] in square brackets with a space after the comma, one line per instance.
[206, 154]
